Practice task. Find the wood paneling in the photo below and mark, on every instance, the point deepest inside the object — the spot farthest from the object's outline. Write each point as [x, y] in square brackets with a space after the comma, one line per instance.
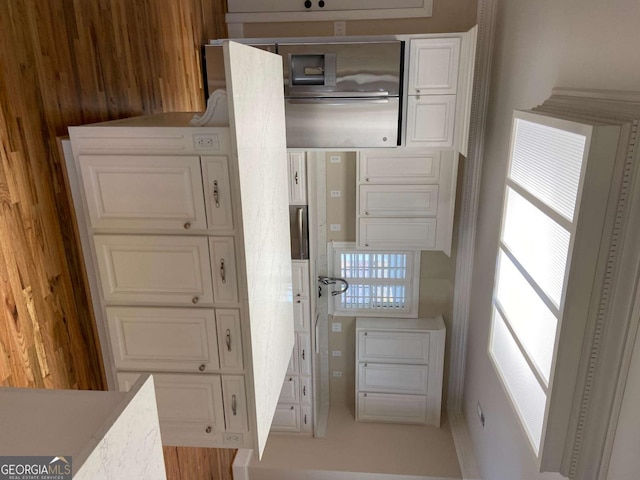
[71, 62]
[198, 463]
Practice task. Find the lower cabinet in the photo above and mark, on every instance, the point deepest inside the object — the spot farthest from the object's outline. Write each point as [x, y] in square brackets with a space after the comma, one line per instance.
[292, 418]
[396, 408]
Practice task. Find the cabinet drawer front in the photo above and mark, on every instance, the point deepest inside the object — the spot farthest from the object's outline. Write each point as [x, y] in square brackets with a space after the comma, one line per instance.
[187, 404]
[223, 265]
[306, 420]
[305, 390]
[235, 403]
[229, 339]
[393, 347]
[294, 366]
[286, 418]
[433, 67]
[300, 278]
[290, 390]
[388, 168]
[138, 270]
[398, 201]
[169, 339]
[387, 407]
[217, 188]
[301, 315]
[397, 233]
[376, 377]
[431, 120]
[143, 192]
[304, 353]
[297, 178]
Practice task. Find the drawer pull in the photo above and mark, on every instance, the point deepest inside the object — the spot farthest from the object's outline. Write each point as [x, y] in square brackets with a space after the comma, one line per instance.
[187, 226]
[296, 178]
[228, 340]
[305, 418]
[216, 194]
[195, 300]
[208, 429]
[366, 213]
[304, 390]
[223, 273]
[303, 354]
[365, 394]
[366, 365]
[234, 405]
[298, 301]
[202, 367]
[292, 408]
[366, 179]
[366, 333]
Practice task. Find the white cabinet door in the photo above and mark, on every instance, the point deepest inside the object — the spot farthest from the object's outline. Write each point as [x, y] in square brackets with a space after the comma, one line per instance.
[397, 233]
[154, 270]
[286, 418]
[398, 200]
[163, 339]
[301, 315]
[430, 120]
[306, 421]
[300, 278]
[290, 392]
[294, 366]
[143, 192]
[229, 339]
[189, 406]
[390, 378]
[235, 403]
[399, 167]
[433, 66]
[297, 178]
[223, 268]
[305, 390]
[281, 6]
[304, 353]
[217, 193]
[393, 347]
[388, 407]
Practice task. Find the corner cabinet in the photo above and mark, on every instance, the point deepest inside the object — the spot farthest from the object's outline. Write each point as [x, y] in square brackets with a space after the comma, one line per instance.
[399, 369]
[188, 263]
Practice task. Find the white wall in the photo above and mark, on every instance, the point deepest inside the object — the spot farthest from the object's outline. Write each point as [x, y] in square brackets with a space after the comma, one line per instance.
[538, 45]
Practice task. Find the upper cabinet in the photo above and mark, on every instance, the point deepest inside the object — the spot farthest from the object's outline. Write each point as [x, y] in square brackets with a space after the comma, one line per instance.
[297, 178]
[433, 66]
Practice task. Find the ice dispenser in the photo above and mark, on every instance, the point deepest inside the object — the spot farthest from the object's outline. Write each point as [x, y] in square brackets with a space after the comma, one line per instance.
[313, 69]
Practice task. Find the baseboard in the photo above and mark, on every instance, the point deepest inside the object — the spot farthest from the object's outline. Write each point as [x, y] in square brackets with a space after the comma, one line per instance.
[464, 447]
[241, 464]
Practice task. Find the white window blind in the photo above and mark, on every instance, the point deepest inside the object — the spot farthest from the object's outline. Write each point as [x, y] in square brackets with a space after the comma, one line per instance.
[380, 283]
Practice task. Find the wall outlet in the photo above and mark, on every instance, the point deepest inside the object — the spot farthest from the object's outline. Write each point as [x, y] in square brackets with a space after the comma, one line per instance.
[336, 193]
[339, 29]
[232, 439]
[336, 353]
[335, 227]
[206, 142]
[335, 159]
[337, 374]
[481, 415]
[336, 327]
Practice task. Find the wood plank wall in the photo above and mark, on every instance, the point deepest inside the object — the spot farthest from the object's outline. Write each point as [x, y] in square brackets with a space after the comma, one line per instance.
[71, 62]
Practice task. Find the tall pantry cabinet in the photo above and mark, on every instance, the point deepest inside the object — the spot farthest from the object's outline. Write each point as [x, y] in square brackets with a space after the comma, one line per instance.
[186, 242]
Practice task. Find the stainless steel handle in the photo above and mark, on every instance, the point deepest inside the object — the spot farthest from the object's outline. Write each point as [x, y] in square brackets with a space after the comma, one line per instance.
[300, 220]
[223, 273]
[357, 96]
[208, 429]
[234, 405]
[228, 340]
[336, 101]
[216, 194]
[202, 367]
[195, 300]
[295, 177]
[187, 226]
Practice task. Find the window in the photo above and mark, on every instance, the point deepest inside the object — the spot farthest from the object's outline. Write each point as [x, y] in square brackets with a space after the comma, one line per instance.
[381, 283]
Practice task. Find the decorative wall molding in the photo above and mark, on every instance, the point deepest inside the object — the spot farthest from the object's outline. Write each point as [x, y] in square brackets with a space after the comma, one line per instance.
[464, 446]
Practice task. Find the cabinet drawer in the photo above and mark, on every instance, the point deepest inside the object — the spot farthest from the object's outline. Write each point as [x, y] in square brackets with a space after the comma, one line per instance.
[235, 403]
[305, 390]
[398, 200]
[397, 233]
[286, 418]
[433, 66]
[387, 407]
[300, 278]
[294, 366]
[431, 120]
[391, 378]
[306, 420]
[290, 392]
[157, 270]
[301, 314]
[143, 192]
[190, 407]
[297, 178]
[229, 339]
[163, 339]
[217, 193]
[304, 353]
[389, 168]
[223, 266]
[393, 347]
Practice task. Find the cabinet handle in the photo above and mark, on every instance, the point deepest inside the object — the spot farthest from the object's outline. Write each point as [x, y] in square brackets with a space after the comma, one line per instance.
[296, 178]
[223, 273]
[365, 394]
[366, 179]
[291, 379]
[202, 367]
[366, 365]
[292, 408]
[305, 418]
[195, 300]
[187, 226]
[304, 390]
[297, 294]
[208, 429]
[366, 333]
[234, 405]
[366, 213]
[216, 194]
[303, 354]
[228, 340]
[298, 301]
[366, 244]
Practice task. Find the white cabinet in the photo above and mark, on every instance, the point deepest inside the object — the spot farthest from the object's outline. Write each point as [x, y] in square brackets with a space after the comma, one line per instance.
[431, 120]
[301, 314]
[399, 368]
[286, 418]
[300, 278]
[297, 178]
[406, 200]
[180, 282]
[433, 66]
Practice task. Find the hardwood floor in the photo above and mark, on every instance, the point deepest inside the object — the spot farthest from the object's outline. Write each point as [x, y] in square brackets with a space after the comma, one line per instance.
[70, 62]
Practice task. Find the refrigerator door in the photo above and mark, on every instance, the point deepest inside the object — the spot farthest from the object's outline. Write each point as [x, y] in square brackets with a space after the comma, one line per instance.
[342, 122]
